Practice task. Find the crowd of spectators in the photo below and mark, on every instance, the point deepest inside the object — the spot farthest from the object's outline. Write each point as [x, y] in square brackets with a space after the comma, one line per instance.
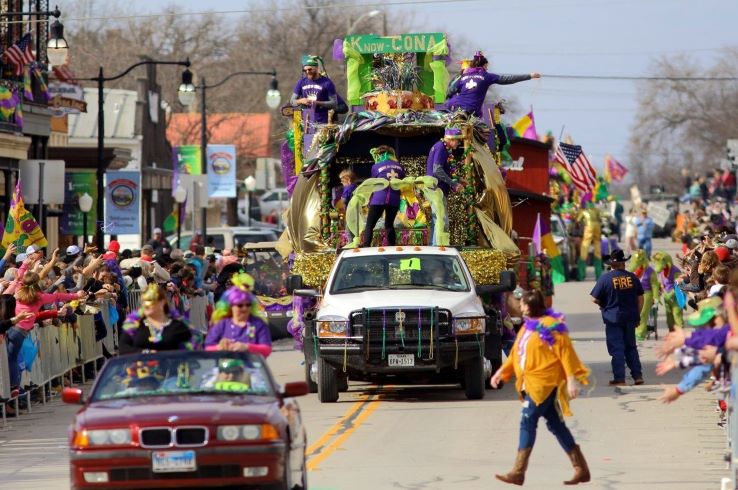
[39, 292]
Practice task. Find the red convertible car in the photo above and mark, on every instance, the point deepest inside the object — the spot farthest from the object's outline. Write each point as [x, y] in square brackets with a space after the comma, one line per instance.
[190, 420]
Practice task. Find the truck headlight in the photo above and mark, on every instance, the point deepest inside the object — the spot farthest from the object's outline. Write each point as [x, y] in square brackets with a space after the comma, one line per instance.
[468, 325]
[332, 326]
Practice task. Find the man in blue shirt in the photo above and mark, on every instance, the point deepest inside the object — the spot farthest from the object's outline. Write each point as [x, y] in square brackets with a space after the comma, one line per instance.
[387, 200]
[619, 295]
[644, 226]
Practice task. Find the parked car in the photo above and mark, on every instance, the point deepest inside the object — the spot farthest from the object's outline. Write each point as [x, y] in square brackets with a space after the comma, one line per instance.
[187, 419]
[273, 200]
[231, 237]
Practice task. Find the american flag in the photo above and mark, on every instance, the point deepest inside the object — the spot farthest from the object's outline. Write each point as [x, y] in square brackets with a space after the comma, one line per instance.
[20, 53]
[63, 74]
[576, 163]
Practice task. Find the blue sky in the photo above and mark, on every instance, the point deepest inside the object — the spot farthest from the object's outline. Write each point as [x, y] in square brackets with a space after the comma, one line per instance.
[567, 37]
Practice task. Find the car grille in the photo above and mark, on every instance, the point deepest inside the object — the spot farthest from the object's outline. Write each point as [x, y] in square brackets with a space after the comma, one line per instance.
[177, 436]
[161, 437]
[190, 436]
[214, 471]
[398, 326]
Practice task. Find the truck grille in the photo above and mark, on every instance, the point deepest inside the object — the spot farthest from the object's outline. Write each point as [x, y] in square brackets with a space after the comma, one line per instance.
[394, 327]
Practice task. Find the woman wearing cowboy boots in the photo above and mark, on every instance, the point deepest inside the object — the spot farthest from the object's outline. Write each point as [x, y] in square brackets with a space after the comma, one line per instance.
[547, 370]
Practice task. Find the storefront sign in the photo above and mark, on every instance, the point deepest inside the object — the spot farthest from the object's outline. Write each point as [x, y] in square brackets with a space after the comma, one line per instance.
[221, 171]
[123, 202]
[66, 98]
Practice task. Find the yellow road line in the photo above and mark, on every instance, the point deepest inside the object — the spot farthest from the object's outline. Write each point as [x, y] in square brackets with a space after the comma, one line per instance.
[335, 427]
[368, 407]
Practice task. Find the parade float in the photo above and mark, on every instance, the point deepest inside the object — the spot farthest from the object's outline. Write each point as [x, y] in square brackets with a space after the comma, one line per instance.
[396, 88]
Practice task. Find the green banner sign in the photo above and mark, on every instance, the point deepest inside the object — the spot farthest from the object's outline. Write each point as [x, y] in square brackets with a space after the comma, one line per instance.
[403, 43]
[75, 185]
[189, 159]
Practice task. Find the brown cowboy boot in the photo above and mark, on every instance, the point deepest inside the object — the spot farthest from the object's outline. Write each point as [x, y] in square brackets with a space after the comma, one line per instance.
[516, 476]
[581, 470]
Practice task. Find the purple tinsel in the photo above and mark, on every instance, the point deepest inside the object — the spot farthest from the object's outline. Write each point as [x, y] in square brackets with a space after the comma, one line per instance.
[338, 50]
[288, 166]
[237, 296]
[546, 332]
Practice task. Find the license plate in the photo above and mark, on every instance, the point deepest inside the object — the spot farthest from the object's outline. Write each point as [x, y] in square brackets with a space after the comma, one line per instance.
[173, 461]
[401, 360]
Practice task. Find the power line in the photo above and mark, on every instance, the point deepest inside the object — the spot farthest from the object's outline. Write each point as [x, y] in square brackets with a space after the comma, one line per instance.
[619, 77]
[276, 9]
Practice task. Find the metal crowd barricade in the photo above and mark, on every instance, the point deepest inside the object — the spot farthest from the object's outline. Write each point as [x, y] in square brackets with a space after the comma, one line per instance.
[199, 313]
[134, 299]
[60, 350]
[732, 429]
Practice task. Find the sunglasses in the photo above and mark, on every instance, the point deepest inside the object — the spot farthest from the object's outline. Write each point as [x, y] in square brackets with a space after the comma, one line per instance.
[243, 305]
[309, 69]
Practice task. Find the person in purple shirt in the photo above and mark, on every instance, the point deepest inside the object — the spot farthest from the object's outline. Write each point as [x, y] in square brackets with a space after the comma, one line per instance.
[315, 91]
[469, 90]
[387, 200]
[238, 324]
[439, 166]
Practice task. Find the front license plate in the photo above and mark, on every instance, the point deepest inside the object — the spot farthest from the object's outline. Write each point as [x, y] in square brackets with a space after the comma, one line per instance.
[173, 461]
[401, 360]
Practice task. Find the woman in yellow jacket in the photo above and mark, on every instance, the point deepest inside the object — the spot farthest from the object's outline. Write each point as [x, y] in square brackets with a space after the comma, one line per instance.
[547, 370]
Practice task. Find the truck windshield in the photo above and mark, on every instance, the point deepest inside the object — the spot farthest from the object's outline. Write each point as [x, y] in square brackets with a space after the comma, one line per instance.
[433, 272]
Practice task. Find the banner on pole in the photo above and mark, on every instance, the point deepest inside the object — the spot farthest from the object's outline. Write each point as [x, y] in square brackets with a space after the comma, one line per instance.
[188, 157]
[123, 202]
[221, 171]
[75, 185]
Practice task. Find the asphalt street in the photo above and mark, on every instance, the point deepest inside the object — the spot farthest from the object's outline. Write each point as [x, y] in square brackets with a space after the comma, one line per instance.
[433, 438]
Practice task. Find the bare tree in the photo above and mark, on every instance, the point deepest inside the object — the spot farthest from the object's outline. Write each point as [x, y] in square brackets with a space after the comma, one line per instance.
[684, 124]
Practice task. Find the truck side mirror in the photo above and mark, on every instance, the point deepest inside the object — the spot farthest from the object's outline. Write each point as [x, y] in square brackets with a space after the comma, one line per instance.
[294, 281]
[508, 281]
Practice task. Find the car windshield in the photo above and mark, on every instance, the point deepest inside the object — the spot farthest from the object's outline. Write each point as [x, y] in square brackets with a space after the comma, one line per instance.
[432, 272]
[269, 271]
[178, 373]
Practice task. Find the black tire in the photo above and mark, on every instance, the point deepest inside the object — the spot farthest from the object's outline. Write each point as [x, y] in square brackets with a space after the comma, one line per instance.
[474, 379]
[327, 382]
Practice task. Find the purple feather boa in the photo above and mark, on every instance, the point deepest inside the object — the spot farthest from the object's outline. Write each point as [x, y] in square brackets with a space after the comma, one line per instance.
[547, 324]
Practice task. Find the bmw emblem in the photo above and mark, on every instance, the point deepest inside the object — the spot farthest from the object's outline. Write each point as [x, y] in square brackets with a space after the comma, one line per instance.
[172, 419]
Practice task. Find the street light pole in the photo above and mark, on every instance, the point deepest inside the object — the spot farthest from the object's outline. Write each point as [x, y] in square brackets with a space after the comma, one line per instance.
[203, 160]
[100, 172]
[186, 97]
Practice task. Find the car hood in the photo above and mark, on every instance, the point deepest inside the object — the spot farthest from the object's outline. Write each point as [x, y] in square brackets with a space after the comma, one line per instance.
[195, 409]
[455, 301]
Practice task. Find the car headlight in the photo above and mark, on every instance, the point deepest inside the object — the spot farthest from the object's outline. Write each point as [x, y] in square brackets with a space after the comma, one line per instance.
[102, 437]
[468, 325]
[253, 432]
[332, 326]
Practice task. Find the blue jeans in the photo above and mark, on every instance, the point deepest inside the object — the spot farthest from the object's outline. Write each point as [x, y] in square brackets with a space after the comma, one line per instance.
[621, 345]
[550, 411]
[645, 244]
[14, 338]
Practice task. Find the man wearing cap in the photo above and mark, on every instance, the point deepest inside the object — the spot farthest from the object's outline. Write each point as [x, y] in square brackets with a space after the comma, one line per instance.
[442, 164]
[158, 273]
[314, 90]
[159, 244]
[619, 295]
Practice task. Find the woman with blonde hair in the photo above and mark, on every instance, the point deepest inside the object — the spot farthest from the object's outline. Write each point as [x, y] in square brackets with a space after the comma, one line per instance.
[547, 370]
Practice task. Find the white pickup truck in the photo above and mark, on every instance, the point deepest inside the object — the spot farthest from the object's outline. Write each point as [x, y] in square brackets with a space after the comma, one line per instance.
[409, 312]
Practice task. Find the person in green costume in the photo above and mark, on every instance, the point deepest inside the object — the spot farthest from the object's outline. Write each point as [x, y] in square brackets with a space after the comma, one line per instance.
[667, 273]
[589, 215]
[640, 266]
